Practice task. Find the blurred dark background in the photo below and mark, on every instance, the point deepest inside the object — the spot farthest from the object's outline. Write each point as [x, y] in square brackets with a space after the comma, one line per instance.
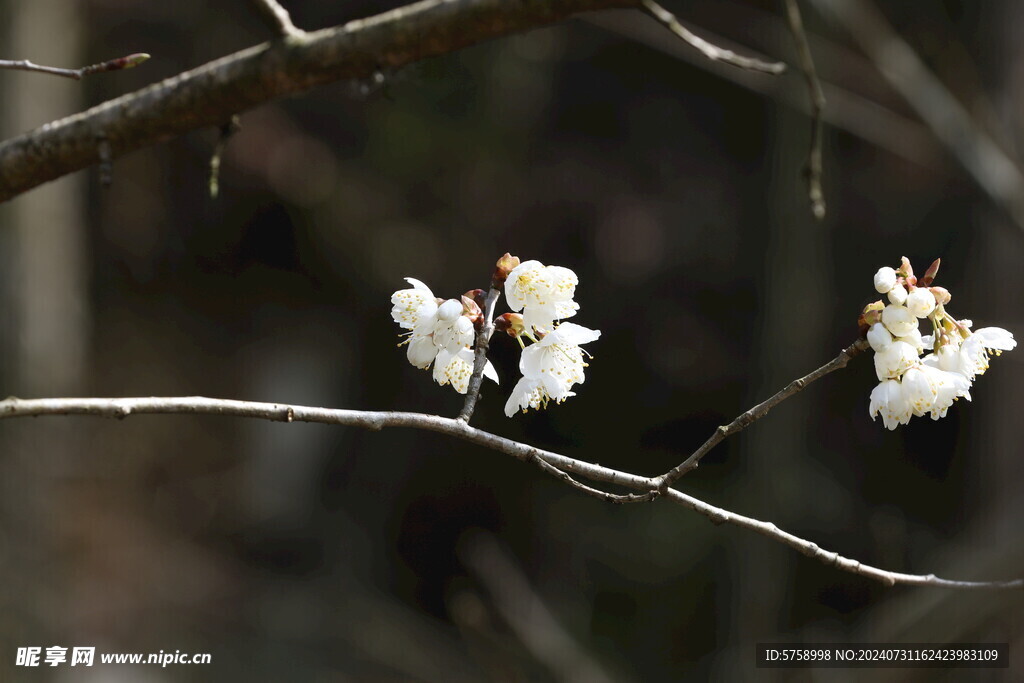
[670, 185]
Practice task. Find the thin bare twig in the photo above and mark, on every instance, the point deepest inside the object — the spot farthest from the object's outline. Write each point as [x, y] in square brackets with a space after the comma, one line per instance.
[813, 170]
[710, 51]
[77, 74]
[277, 18]
[606, 496]
[198, 405]
[759, 411]
[483, 341]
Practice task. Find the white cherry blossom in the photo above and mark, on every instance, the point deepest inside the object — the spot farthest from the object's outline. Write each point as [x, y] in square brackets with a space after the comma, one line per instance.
[557, 359]
[457, 368]
[930, 390]
[895, 360]
[888, 401]
[543, 293]
[530, 393]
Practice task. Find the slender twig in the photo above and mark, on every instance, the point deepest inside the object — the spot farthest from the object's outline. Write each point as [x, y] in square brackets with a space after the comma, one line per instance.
[813, 170]
[280, 412]
[77, 74]
[277, 18]
[483, 341]
[710, 51]
[225, 133]
[759, 411]
[606, 496]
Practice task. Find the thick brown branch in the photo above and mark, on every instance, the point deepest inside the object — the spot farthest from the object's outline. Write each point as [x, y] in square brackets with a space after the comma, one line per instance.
[198, 405]
[759, 411]
[813, 170]
[211, 94]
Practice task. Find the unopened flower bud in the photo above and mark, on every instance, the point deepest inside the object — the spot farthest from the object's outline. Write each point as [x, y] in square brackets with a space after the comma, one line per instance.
[929, 275]
[879, 337]
[898, 294]
[510, 323]
[906, 271]
[885, 279]
[941, 294]
[899, 320]
[470, 308]
[921, 302]
[449, 310]
[872, 314]
[505, 265]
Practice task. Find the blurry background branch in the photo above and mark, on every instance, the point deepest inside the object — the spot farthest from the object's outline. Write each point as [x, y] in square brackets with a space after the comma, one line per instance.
[377, 420]
[813, 169]
[994, 170]
[211, 94]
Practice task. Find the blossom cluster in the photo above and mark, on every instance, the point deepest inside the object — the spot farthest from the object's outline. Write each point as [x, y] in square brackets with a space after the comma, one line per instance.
[442, 333]
[953, 355]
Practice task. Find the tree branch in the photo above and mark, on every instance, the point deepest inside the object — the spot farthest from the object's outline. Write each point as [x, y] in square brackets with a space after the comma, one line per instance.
[277, 18]
[198, 405]
[712, 52]
[77, 74]
[483, 342]
[211, 94]
[759, 411]
[813, 170]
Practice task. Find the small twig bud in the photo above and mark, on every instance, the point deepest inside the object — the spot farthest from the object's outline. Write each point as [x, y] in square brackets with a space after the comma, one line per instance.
[471, 309]
[906, 271]
[872, 314]
[510, 323]
[505, 265]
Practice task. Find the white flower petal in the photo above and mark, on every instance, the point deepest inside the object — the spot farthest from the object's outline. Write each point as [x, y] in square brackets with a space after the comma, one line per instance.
[996, 338]
[421, 351]
[895, 360]
[407, 302]
[879, 337]
[898, 320]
